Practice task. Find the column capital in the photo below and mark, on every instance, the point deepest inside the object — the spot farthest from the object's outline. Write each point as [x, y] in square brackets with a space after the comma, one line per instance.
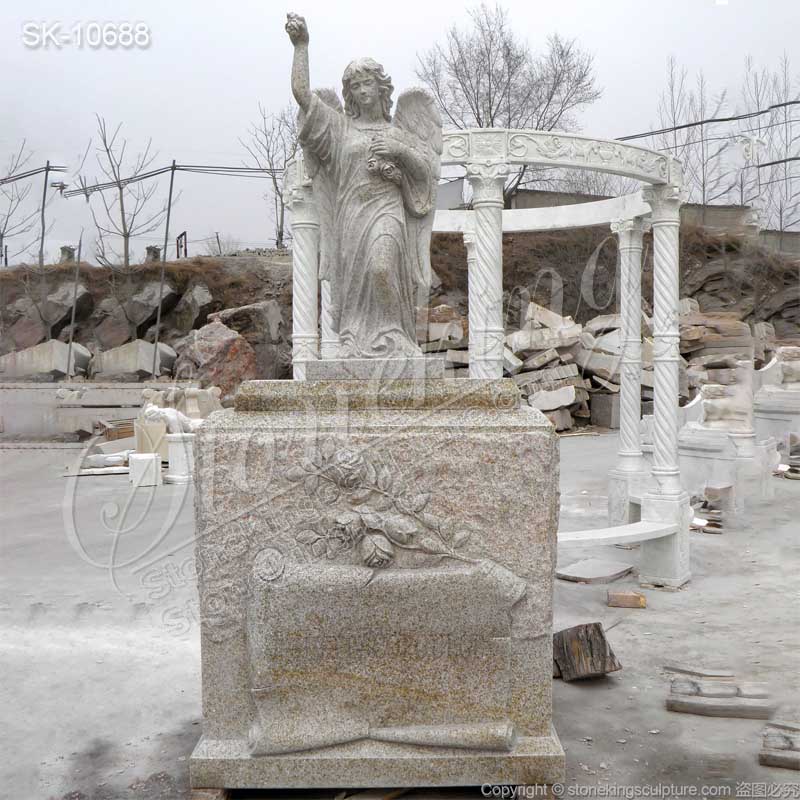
[487, 179]
[630, 231]
[665, 200]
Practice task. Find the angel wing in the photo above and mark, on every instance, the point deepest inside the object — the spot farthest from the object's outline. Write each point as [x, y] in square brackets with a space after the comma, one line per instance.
[418, 118]
[323, 191]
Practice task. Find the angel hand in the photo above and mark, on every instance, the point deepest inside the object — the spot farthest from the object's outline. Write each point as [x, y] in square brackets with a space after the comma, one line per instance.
[297, 29]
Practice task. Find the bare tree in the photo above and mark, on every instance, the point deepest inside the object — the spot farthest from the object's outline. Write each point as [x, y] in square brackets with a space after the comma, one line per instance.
[708, 169]
[590, 182]
[700, 145]
[220, 244]
[15, 218]
[128, 213]
[272, 145]
[782, 186]
[767, 177]
[485, 77]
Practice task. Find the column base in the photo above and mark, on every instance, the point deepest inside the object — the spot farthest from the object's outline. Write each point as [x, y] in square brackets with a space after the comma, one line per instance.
[625, 490]
[664, 562]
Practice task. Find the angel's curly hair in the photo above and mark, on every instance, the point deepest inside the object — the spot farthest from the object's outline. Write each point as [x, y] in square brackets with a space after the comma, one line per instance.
[367, 66]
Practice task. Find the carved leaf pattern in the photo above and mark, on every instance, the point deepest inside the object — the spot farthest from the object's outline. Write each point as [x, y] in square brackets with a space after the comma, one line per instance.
[382, 513]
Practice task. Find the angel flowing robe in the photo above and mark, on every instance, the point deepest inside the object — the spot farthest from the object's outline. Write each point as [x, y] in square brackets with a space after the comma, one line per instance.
[367, 253]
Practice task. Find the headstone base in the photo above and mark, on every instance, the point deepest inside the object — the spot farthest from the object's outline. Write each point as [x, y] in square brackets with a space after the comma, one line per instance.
[375, 572]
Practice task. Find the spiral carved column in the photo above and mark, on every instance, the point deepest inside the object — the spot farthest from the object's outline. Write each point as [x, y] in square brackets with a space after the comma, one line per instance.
[305, 266]
[486, 330]
[629, 234]
[665, 202]
[329, 343]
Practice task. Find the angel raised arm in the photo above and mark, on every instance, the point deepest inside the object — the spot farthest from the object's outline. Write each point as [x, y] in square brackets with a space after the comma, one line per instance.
[375, 180]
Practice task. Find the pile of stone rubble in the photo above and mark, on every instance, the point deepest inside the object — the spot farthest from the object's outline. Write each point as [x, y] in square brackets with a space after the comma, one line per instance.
[571, 372]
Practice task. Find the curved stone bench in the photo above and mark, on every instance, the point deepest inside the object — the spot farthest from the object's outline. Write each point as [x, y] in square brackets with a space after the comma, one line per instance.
[619, 534]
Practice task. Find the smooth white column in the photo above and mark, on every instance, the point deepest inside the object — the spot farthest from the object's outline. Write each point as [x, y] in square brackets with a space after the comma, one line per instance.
[486, 330]
[629, 235]
[305, 268]
[329, 343]
[665, 202]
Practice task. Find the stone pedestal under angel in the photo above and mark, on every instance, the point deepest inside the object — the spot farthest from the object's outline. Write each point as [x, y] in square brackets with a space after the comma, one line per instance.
[374, 179]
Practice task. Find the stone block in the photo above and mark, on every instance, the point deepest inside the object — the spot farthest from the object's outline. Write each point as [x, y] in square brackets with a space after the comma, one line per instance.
[134, 359]
[151, 438]
[540, 360]
[603, 323]
[145, 469]
[375, 566]
[542, 339]
[605, 410]
[46, 359]
[558, 398]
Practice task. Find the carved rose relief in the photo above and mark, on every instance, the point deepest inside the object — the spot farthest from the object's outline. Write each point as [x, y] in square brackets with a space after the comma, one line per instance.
[379, 513]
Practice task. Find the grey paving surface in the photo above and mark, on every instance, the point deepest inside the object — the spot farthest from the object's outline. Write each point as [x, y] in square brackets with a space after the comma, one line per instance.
[100, 689]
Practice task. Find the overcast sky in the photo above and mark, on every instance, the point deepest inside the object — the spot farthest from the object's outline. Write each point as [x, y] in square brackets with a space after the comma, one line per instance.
[196, 88]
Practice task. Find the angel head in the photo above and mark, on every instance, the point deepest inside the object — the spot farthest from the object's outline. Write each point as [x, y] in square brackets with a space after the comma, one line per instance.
[365, 84]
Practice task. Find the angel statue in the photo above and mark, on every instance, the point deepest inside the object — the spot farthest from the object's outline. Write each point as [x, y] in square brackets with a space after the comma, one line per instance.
[374, 180]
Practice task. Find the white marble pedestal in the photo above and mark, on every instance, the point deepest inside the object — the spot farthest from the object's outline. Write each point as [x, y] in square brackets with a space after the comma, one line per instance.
[180, 447]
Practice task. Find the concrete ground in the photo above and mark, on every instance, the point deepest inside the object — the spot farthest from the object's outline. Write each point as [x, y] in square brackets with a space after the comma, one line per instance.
[100, 694]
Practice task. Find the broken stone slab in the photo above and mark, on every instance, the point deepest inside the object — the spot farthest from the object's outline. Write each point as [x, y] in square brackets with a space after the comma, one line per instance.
[610, 342]
[511, 364]
[612, 387]
[780, 745]
[594, 570]
[542, 339]
[46, 359]
[603, 323]
[602, 364]
[550, 401]
[561, 419]
[551, 386]
[540, 360]
[547, 318]
[712, 698]
[583, 652]
[546, 375]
